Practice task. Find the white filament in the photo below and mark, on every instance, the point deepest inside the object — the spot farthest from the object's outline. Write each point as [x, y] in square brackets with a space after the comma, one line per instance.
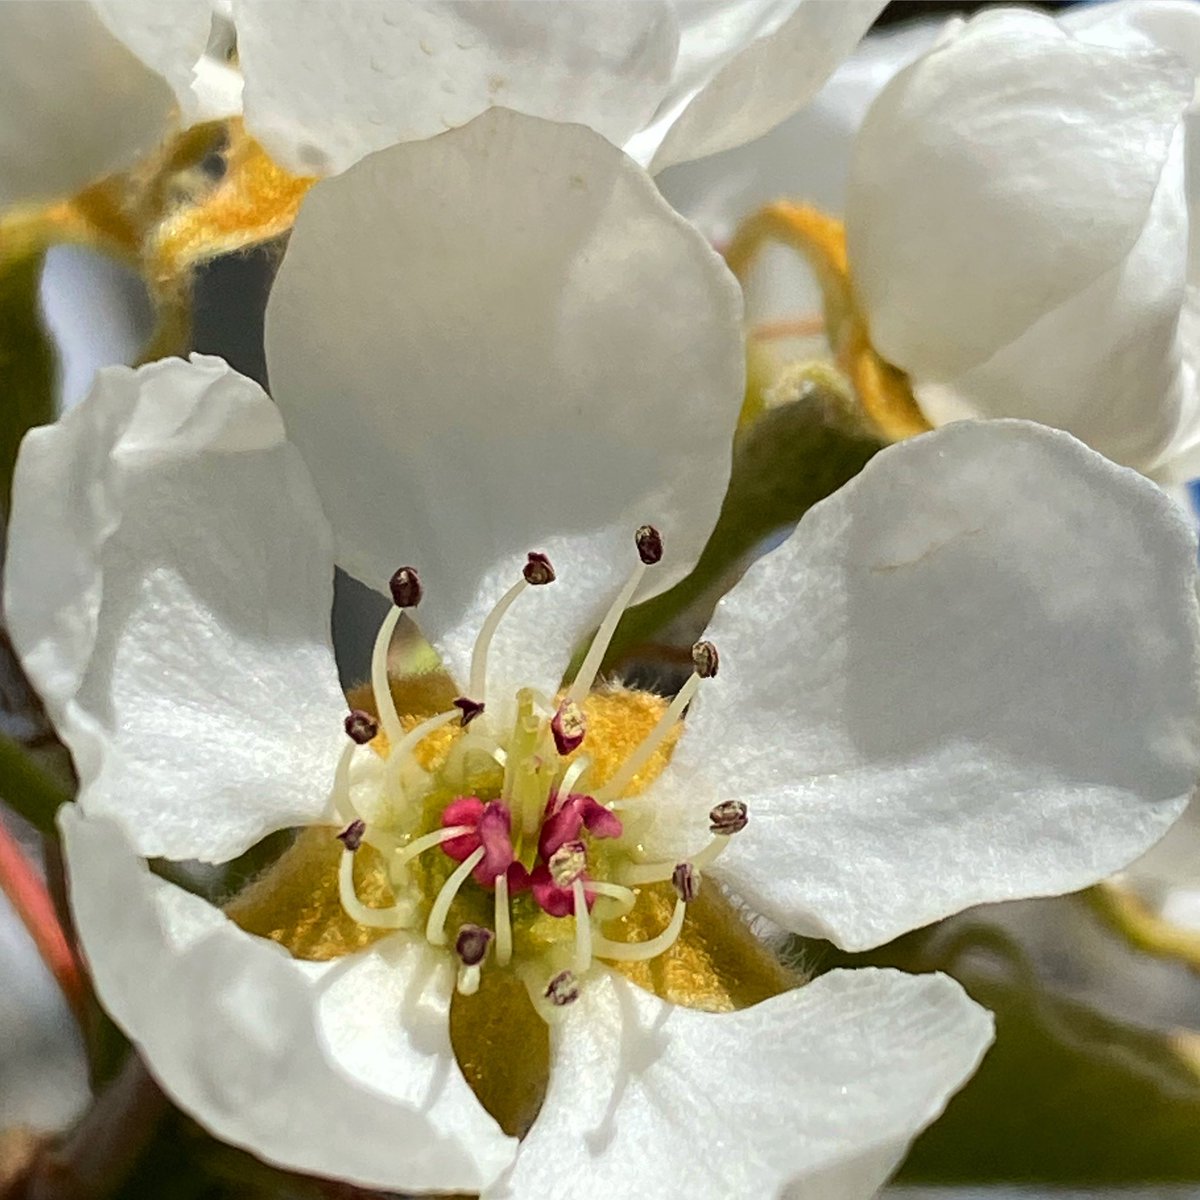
[398, 916]
[571, 775]
[650, 743]
[427, 841]
[384, 703]
[640, 951]
[468, 980]
[659, 872]
[590, 667]
[624, 897]
[435, 927]
[477, 688]
[583, 930]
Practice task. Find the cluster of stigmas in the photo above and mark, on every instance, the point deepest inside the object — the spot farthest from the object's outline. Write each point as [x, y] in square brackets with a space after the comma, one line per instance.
[502, 830]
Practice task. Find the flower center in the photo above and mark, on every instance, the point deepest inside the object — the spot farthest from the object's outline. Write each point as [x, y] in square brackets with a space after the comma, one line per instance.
[514, 841]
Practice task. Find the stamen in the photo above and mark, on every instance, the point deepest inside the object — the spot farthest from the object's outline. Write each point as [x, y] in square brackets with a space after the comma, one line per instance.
[583, 928]
[729, 817]
[468, 710]
[504, 945]
[563, 989]
[403, 747]
[640, 951]
[435, 927]
[658, 872]
[405, 586]
[568, 727]
[426, 841]
[537, 570]
[398, 916]
[351, 837]
[342, 804]
[705, 659]
[567, 863]
[650, 548]
[360, 727]
[472, 943]
[650, 743]
[384, 704]
[649, 544]
[624, 897]
[572, 774]
[686, 881]
[467, 983]
[536, 573]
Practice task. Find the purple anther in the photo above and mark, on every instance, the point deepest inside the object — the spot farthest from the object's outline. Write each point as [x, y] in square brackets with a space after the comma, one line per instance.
[361, 727]
[686, 881]
[705, 659]
[568, 727]
[405, 587]
[537, 570]
[351, 837]
[728, 818]
[649, 544]
[470, 709]
[472, 943]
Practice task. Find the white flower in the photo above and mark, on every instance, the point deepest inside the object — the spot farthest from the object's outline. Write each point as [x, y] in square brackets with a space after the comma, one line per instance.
[1017, 217]
[670, 80]
[944, 687]
[85, 88]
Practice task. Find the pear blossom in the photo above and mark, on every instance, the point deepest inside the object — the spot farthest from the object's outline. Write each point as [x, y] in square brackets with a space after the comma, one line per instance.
[507, 376]
[86, 86]
[669, 80]
[1051, 156]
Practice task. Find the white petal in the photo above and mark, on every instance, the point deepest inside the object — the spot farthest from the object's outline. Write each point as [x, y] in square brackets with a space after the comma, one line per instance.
[997, 177]
[1131, 399]
[767, 81]
[1175, 861]
[75, 104]
[170, 38]
[821, 1088]
[504, 340]
[341, 1069]
[97, 312]
[168, 585]
[969, 675]
[329, 82]
[807, 157]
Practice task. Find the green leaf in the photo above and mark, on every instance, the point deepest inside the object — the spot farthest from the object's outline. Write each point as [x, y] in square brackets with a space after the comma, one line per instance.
[27, 366]
[792, 456]
[1068, 1094]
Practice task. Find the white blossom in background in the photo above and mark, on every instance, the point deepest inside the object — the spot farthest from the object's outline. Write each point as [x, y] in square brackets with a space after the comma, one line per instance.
[490, 347]
[669, 80]
[88, 87]
[1018, 210]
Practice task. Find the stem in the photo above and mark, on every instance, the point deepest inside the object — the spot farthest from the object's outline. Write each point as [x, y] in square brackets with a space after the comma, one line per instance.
[27, 789]
[22, 884]
[96, 1158]
[1123, 910]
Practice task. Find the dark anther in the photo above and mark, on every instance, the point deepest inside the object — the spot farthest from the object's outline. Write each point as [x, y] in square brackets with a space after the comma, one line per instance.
[649, 544]
[351, 837]
[361, 727]
[472, 943]
[405, 586]
[568, 727]
[686, 881]
[563, 989]
[705, 659]
[537, 570]
[728, 818]
[470, 709]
